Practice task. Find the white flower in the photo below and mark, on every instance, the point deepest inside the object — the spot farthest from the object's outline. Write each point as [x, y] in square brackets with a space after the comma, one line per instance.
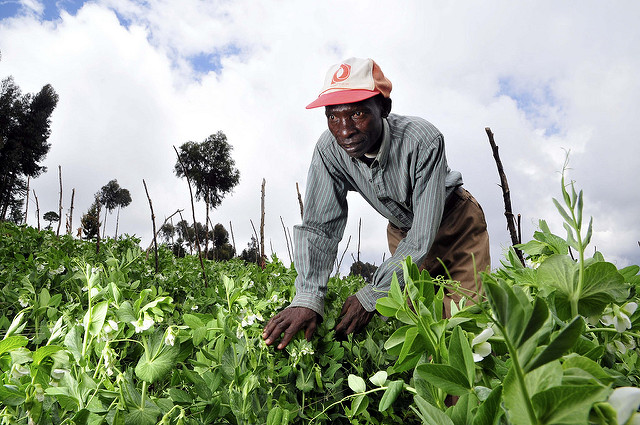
[111, 326]
[57, 374]
[239, 333]
[619, 316]
[625, 400]
[170, 336]
[109, 358]
[250, 320]
[194, 307]
[18, 371]
[39, 392]
[142, 324]
[23, 300]
[481, 348]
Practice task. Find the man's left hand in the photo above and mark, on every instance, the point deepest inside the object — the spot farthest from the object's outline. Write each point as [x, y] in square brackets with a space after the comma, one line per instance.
[354, 318]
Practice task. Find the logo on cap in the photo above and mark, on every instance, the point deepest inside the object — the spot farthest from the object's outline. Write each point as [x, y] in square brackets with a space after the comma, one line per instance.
[341, 74]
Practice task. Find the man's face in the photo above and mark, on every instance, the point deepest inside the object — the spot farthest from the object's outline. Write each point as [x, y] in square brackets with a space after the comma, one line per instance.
[356, 126]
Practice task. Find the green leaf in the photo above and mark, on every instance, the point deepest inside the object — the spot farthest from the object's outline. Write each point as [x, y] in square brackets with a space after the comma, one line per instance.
[158, 359]
[395, 293]
[562, 211]
[567, 404]
[379, 378]
[489, 411]
[277, 416]
[356, 384]
[179, 396]
[460, 354]
[359, 404]
[394, 344]
[497, 298]
[564, 341]
[11, 396]
[94, 320]
[73, 342]
[538, 316]
[44, 352]
[13, 342]
[445, 377]
[409, 339]
[192, 321]
[387, 306]
[590, 367]
[142, 416]
[430, 414]
[391, 394]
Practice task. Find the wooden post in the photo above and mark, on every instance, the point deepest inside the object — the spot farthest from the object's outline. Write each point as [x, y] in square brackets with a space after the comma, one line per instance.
[506, 194]
[26, 208]
[286, 239]
[262, 257]
[233, 240]
[70, 221]
[153, 221]
[37, 208]
[300, 201]
[60, 206]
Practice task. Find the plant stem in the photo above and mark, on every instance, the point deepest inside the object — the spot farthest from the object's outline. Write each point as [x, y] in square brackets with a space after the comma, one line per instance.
[519, 374]
[144, 394]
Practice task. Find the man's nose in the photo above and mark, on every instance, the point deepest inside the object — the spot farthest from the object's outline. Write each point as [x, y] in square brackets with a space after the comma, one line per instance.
[347, 128]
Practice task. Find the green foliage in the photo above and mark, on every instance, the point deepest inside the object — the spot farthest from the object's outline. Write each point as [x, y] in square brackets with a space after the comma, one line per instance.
[100, 337]
[24, 131]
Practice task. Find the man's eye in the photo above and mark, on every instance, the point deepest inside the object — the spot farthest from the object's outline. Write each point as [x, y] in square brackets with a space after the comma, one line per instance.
[358, 114]
[331, 116]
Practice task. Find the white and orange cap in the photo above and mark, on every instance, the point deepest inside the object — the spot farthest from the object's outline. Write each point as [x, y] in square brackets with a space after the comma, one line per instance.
[352, 81]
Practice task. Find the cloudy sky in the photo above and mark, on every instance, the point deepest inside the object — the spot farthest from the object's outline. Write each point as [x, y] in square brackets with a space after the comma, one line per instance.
[136, 78]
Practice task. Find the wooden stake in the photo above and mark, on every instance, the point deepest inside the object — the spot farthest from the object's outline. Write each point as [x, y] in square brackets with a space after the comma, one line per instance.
[153, 221]
[257, 241]
[70, 221]
[506, 194]
[60, 207]
[300, 201]
[26, 208]
[37, 208]
[359, 228]
[286, 239]
[233, 240]
[342, 257]
[262, 257]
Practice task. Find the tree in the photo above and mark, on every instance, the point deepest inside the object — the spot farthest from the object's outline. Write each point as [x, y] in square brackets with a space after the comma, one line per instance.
[51, 217]
[251, 254]
[111, 196]
[222, 250]
[90, 221]
[211, 169]
[366, 270]
[24, 131]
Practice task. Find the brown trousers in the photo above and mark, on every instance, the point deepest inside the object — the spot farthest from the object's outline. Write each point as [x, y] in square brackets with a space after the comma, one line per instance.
[462, 232]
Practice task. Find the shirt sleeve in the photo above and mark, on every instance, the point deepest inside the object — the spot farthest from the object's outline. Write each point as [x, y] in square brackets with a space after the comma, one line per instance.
[428, 199]
[316, 240]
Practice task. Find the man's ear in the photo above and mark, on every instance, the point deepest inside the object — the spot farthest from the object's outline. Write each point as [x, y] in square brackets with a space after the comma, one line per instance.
[386, 107]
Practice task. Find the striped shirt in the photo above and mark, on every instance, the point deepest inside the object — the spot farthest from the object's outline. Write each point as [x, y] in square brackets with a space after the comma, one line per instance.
[407, 183]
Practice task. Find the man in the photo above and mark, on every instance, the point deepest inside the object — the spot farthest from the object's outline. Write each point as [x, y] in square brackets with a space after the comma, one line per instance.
[398, 165]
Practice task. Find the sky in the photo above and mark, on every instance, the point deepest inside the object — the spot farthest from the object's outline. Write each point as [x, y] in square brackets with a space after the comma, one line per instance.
[136, 78]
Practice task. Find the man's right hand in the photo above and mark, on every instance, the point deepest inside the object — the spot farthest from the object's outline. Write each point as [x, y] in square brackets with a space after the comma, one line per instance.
[290, 321]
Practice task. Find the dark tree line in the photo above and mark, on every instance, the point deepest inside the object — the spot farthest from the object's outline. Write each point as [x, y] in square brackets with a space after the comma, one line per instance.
[24, 131]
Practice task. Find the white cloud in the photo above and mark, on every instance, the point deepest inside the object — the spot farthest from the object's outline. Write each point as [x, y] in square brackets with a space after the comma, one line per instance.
[128, 94]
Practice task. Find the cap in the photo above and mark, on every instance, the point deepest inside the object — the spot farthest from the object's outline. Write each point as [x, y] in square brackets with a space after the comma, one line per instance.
[351, 81]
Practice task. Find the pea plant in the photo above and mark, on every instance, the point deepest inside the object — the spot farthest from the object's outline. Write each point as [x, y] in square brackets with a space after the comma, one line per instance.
[553, 343]
[92, 337]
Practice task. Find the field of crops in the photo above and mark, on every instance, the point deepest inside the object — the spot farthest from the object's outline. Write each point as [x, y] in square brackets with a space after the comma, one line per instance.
[93, 338]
